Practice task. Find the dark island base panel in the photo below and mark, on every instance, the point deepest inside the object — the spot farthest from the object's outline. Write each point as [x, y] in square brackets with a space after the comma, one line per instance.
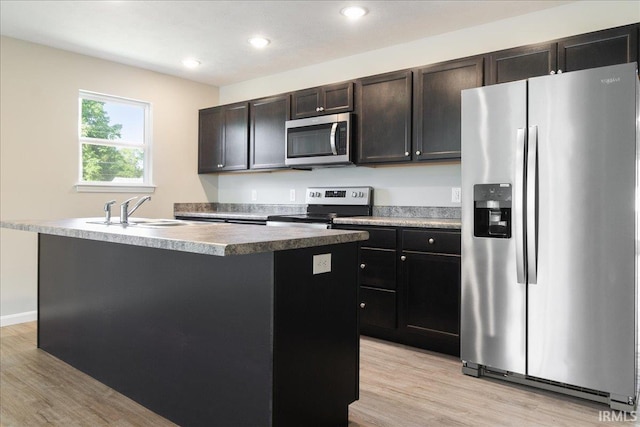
[192, 337]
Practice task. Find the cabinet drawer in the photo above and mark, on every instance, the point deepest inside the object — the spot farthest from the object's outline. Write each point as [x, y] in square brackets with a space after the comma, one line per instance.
[378, 307]
[379, 237]
[446, 242]
[378, 268]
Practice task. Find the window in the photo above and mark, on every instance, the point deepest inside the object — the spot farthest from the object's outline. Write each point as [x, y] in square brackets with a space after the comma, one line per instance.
[115, 144]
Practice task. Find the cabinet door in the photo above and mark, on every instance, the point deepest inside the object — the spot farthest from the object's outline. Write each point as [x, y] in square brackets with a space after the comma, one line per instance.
[437, 107]
[331, 99]
[210, 139]
[378, 308]
[378, 268]
[305, 103]
[337, 98]
[521, 63]
[599, 49]
[236, 142]
[267, 133]
[432, 293]
[384, 118]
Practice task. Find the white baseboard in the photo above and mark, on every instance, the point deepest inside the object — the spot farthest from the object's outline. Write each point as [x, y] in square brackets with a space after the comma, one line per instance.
[14, 319]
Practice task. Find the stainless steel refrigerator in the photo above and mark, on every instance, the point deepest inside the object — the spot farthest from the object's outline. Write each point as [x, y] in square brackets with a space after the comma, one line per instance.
[550, 233]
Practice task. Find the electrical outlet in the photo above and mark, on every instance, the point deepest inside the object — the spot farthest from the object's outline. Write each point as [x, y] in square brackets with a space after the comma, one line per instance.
[254, 195]
[292, 195]
[456, 195]
[321, 263]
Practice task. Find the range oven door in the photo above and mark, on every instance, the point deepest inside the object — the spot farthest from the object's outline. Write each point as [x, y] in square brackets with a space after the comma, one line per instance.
[318, 140]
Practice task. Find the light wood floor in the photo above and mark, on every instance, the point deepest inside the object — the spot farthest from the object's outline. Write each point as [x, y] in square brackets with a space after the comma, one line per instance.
[399, 387]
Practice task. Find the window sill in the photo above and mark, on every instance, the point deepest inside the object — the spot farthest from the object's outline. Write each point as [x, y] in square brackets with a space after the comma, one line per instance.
[86, 187]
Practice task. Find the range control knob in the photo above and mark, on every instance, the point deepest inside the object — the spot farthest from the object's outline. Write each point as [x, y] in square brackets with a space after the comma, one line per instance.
[354, 194]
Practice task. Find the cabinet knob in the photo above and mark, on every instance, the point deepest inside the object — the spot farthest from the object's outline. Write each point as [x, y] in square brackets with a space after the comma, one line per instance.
[403, 258]
[406, 153]
[418, 153]
[362, 305]
[362, 266]
[431, 240]
[220, 165]
[320, 109]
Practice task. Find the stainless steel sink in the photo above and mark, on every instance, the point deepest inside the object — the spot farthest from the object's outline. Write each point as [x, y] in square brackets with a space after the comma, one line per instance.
[146, 222]
[158, 223]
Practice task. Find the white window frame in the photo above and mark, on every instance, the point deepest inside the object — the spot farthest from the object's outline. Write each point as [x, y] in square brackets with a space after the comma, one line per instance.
[108, 187]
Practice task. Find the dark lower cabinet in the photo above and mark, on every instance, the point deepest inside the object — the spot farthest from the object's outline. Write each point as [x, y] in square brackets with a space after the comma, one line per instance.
[378, 308]
[432, 299]
[410, 286]
[238, 341]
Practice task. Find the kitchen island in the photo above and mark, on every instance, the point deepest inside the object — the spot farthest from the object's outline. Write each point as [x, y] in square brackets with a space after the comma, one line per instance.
[207, 323]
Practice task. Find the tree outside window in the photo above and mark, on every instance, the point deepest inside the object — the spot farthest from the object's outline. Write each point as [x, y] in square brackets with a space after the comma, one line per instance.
[114, 140]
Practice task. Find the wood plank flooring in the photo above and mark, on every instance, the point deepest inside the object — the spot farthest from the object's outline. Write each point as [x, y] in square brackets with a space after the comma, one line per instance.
[399, 387]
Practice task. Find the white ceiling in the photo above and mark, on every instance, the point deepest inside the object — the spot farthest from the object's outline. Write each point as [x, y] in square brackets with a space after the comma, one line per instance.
[157, 35]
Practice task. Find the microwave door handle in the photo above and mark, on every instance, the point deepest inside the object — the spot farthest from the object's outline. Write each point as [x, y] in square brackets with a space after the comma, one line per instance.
[332, 138]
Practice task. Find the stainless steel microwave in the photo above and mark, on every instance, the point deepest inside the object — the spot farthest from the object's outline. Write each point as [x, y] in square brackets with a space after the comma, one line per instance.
[319, 141]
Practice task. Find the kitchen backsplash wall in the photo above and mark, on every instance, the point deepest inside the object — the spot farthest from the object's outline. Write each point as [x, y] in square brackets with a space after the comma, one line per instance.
[415, 185]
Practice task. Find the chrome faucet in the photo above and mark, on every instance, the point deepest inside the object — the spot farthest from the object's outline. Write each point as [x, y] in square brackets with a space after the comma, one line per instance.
[124, 208]
[107, 211]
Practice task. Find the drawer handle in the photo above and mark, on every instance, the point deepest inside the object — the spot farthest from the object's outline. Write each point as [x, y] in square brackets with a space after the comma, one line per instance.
[362, 266]
[431, 240]
[362, 305]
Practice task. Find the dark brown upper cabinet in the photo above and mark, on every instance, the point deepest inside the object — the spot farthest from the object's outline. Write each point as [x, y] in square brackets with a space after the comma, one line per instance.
[437, 107]
[317, 101]
[521, 63]
[599, 49]
[383, 107]
[267, 133]
[222, 138]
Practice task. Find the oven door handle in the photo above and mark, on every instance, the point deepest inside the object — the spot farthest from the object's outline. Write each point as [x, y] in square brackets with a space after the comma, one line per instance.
[332, 138]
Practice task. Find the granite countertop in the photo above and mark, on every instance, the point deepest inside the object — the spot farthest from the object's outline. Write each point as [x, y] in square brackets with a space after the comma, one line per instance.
[445, 223]
[208, 238]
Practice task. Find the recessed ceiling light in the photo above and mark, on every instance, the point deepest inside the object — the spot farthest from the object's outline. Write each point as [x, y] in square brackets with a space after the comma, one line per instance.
[190, 63]
[354, 12]
[259, 42]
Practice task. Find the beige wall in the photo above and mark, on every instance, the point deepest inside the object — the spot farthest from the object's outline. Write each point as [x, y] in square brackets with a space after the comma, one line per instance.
[39, 148]
[423, 185]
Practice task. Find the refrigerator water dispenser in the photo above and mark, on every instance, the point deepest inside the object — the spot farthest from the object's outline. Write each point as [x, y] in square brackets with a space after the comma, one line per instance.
[492, 210]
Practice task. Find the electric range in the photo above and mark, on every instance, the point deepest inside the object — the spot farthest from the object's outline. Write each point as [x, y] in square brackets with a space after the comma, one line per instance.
[326, 203]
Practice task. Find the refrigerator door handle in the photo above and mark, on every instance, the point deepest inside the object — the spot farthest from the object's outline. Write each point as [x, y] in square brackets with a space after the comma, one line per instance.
[532, 205]
[519, 206]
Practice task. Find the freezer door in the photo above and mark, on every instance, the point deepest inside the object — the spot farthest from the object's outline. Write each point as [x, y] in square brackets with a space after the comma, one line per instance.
[582, 309]
[493, 312]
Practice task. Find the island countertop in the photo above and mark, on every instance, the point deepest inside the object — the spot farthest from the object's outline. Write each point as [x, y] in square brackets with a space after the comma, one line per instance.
[220, 239]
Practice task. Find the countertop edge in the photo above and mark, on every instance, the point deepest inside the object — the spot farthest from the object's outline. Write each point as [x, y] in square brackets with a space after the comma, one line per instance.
[191, 245]
[442, 223]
